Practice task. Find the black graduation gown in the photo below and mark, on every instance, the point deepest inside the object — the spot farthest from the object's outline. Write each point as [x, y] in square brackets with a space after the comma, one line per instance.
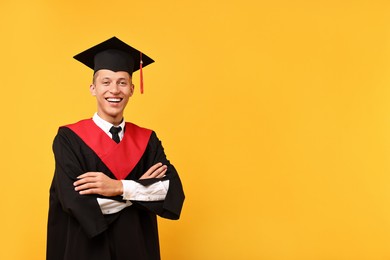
[77, 229]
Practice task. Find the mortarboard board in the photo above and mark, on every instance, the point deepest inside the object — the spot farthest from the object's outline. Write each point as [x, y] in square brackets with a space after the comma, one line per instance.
[116, 55]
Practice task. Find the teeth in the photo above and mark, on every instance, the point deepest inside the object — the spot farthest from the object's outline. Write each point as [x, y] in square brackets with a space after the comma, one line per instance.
[114, 99]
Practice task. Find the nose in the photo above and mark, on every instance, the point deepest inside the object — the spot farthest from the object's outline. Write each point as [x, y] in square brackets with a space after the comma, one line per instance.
[114, 88]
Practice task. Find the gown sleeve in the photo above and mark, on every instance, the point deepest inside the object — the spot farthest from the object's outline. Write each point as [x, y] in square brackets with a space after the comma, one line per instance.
[171, 207]
[68, 165]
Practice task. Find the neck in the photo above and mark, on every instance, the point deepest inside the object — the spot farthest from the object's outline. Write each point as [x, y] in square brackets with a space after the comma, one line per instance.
[113, 120]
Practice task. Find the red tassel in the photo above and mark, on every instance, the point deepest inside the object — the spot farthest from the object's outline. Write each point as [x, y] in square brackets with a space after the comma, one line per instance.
[141, 75]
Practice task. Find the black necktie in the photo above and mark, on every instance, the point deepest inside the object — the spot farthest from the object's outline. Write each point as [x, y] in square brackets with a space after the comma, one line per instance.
[114, 131]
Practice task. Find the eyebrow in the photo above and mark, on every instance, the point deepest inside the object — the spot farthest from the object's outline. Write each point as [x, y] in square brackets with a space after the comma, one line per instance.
[123, 78]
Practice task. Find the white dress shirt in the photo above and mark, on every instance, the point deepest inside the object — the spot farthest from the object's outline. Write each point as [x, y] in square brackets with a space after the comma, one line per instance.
[131, 189]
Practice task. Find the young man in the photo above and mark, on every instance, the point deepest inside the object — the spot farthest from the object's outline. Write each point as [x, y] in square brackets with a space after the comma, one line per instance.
[111, 177]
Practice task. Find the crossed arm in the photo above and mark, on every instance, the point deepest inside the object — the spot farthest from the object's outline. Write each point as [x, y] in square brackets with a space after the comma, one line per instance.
[99, 183]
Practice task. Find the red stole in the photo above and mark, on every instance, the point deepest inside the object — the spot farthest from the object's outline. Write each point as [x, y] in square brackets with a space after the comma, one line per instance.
[120, 158]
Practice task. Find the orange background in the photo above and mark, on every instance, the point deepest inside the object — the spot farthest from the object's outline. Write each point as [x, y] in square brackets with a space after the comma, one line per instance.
[275, 113]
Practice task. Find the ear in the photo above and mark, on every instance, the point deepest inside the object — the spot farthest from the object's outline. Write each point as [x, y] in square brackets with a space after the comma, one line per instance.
[131, 89]
[92, 89]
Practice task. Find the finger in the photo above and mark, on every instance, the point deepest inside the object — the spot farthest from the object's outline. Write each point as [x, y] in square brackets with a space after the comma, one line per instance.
[85, 180]
[89, 191]
[162, 174]
[89, 185]
[87, 174]
[84, 187]
[153, 168]
[158, 171]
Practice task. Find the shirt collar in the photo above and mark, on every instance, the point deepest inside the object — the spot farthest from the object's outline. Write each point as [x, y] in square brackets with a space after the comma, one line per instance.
[106, 126]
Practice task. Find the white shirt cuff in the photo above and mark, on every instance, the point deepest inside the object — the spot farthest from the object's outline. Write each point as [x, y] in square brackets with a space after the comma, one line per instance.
[108, 206]
[154, 192]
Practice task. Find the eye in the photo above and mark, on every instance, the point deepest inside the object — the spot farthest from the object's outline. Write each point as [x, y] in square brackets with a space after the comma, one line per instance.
[122, 83]
[106, 83]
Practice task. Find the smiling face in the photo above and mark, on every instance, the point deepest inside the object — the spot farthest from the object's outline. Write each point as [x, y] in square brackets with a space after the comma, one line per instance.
[112, 91]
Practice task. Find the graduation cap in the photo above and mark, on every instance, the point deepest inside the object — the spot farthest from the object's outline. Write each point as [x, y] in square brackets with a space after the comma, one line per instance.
[116, 55]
